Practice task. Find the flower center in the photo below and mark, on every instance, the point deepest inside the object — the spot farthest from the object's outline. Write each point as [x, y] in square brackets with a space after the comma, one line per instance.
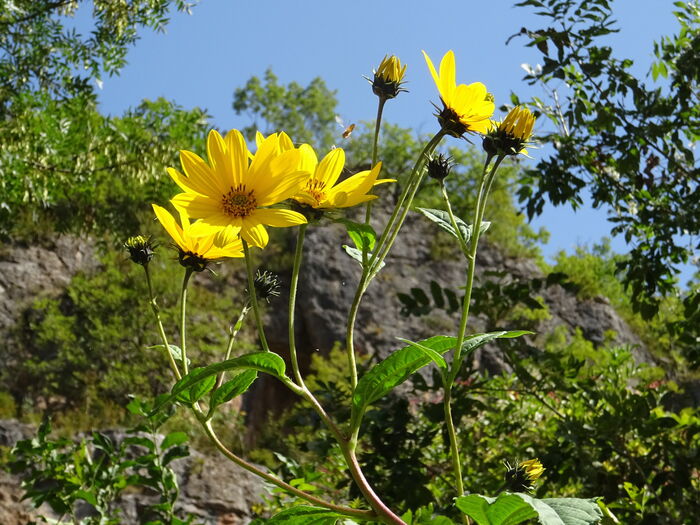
[238, 202]
[315, 189]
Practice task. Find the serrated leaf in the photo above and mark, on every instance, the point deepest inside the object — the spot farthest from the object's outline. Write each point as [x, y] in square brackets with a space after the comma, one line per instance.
[306, 515]
[442, 219]
[506, 509]
[357, 255]
[232, 388]
[363, 235]
[172, 439]
[565, 511]
[394, 370]
[266, 362]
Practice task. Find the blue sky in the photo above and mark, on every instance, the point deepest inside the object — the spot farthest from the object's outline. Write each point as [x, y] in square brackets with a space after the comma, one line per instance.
[202, 58]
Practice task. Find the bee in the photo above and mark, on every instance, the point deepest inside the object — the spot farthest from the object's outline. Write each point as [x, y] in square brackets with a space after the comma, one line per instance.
[347, 129]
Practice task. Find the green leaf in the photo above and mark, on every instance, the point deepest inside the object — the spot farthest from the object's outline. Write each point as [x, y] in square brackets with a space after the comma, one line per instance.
[506, 509]
[474, 341]
[175, 351]
[363, 235]
[195, 393]
[232, 388]
[266, 362]
[306, 515]
[172, 439]
[357, 255]
[565, 511]
[432, 354]
[394, 370]
[442, 219]
[87, 496]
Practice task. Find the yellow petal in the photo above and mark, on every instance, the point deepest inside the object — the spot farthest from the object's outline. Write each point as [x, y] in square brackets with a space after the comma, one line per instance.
[254, 234]
[201, 175]
[330, 167]
[168, 222]
[279, 218]
[239, 154]
[431, 67]
[447, 76]
[197, 206]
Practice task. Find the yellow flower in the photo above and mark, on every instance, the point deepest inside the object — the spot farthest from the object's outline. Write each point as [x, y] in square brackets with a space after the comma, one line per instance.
[533, 469]
[466, 108]
[522, 477]
[231, 195]
[388, 78]
[195, 252]
[321, 190]
[512, 135]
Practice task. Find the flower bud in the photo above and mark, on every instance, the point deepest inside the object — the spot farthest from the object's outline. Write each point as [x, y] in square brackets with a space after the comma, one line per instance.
[388, 78]
[140, 248]
[439, 167]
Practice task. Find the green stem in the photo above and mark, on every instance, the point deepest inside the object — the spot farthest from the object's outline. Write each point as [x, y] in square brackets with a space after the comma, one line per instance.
[183, 319]
[449, 378]
[386, 238]
[454, 444]
[375, 152]
[356, 513]
[253, 296]
[386, 241]
[453, 221]
[161, 330]
[233, 332]
[298, 255]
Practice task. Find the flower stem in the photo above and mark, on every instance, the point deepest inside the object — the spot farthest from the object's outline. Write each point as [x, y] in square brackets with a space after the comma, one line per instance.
[449, 378]
[375, 152]
[183, 319]
[161, 330]
[298, 255]
[356, 513]
[253, 296]
[383, 245]
[233, 332]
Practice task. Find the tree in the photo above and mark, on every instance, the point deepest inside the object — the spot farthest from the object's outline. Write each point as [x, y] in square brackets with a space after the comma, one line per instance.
[627, 140]
[62, 162]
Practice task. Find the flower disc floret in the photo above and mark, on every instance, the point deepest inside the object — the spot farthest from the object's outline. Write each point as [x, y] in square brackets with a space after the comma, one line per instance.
[466, 108]
[234, 193]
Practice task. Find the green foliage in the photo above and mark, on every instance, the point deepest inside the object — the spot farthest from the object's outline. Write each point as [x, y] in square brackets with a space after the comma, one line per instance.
[306, 114]
[65, 165]
[96, 470]
[627, 140]
[78, 171]
[93, 346]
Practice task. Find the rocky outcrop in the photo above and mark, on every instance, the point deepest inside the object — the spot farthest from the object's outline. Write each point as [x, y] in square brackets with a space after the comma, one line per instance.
[27, 272]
